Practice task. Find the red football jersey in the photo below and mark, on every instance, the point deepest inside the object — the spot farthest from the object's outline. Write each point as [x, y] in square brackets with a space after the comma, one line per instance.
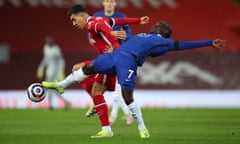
[99, 31]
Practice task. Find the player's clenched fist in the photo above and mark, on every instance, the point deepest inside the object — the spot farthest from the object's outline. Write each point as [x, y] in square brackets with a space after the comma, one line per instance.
[144, 20]
[218, 43]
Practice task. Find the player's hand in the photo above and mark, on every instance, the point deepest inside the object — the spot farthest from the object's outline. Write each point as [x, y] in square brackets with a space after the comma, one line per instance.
[78, 66]
[108, 49]
[40, 72]
[121, 41]
[119, 34]
[218, 43]
[144, 20]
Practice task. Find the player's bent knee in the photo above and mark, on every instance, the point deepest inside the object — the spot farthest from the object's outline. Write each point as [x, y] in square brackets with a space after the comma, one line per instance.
[77, 66]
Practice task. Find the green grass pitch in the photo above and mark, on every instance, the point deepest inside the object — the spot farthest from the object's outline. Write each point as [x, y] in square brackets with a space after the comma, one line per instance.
[167, 126]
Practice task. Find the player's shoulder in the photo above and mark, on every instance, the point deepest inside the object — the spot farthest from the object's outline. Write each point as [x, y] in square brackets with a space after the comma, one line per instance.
[47, 46]
[95, 19]
[53, 45]
[56, 46]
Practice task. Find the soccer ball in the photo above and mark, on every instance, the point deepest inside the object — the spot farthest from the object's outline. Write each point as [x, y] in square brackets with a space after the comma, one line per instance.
[36, 92]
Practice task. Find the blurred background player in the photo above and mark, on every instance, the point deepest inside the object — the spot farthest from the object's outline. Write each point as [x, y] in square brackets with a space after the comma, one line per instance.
[109, 11]
[54, 63]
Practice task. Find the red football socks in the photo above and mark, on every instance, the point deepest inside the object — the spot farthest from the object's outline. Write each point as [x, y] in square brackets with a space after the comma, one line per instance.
[102, 109]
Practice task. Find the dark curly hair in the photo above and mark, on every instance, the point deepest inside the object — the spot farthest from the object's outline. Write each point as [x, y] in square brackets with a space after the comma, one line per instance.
[77, 9]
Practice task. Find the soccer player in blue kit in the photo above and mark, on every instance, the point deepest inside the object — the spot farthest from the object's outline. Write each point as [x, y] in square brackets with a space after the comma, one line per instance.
[110, 12]
[124, 62]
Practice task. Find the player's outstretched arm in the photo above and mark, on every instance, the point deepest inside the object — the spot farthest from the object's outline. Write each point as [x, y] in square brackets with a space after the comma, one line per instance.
[108, 32]
[125, 21]
[182, 45]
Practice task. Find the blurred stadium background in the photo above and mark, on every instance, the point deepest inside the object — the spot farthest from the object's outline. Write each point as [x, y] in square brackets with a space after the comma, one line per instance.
[191, 82]
[199, 78]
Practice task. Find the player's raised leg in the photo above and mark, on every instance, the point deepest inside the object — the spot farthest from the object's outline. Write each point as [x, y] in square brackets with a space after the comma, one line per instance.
[75, 76]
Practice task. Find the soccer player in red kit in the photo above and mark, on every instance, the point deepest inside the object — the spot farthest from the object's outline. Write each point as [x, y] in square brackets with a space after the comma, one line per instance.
[104, 39]
[109, 11]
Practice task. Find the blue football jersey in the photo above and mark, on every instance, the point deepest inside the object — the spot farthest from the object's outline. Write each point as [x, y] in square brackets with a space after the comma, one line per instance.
[144, 45]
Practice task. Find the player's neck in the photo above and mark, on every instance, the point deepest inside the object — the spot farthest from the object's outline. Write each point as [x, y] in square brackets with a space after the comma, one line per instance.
[108, 13]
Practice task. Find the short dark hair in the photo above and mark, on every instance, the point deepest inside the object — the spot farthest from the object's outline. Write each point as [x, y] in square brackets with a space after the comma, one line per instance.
[77, 9]
[162, 28]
